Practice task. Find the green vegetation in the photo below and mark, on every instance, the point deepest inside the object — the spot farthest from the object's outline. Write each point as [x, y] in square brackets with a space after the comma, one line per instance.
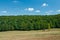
[36, 22]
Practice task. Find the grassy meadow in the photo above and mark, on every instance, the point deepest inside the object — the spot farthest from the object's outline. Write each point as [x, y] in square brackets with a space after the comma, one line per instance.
[53, 34]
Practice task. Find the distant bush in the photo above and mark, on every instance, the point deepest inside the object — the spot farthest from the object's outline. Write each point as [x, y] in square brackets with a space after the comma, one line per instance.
[9, 23]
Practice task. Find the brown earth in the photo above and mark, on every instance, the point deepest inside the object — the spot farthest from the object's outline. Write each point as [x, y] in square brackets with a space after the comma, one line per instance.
[30, 35]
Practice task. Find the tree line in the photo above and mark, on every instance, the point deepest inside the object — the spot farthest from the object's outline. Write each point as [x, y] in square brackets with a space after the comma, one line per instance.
[32, 22]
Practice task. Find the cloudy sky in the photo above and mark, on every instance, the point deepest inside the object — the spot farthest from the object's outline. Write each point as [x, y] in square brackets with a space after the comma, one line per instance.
[29, 7]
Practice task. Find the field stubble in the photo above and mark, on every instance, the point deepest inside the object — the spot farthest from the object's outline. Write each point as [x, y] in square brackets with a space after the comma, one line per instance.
[53, 34]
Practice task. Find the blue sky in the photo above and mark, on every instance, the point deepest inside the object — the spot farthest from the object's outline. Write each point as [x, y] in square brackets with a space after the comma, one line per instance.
[29, 7]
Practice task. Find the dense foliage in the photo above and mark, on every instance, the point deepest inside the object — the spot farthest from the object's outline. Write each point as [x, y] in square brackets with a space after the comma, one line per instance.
[25, 22]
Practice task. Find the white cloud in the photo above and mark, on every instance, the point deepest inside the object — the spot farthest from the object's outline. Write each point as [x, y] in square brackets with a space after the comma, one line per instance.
[58, 10]
[49, 12]
[37, 11]
[29, 9]
[44, 4]
[15, 1]
[4, 11]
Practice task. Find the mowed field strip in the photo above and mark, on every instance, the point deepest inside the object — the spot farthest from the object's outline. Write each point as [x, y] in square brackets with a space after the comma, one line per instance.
[53, 34]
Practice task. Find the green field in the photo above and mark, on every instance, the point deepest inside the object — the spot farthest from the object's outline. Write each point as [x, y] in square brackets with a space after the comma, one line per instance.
[53, 34]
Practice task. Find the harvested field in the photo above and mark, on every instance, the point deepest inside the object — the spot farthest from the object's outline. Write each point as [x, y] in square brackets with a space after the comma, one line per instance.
[53, 34]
